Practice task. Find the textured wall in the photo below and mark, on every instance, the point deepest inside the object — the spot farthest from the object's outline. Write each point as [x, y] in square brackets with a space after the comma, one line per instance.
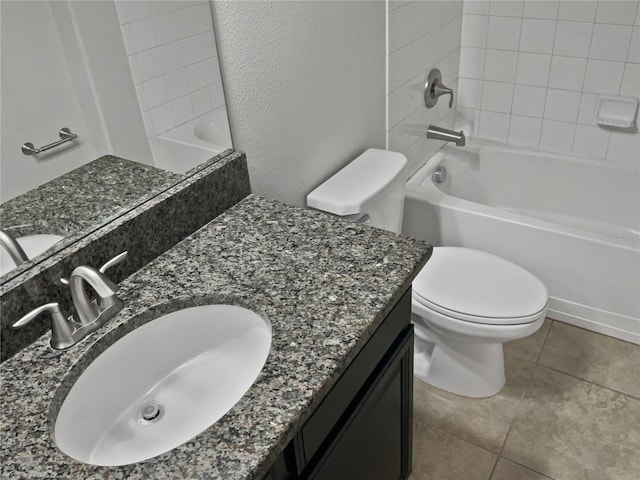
[305, 88]
[531, 73]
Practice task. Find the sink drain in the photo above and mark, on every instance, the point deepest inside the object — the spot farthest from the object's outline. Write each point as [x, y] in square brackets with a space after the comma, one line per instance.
[150, 413]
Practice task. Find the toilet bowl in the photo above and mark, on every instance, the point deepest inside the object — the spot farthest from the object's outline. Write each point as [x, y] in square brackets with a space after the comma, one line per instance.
[465, 303]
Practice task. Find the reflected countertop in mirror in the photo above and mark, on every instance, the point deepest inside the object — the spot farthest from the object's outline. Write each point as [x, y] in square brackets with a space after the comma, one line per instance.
[79, 201]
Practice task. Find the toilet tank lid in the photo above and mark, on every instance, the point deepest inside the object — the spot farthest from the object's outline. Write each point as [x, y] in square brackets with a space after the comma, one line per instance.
[349, 189]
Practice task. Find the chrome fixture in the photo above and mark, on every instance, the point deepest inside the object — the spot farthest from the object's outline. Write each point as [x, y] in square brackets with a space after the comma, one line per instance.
[65, 134]
[439, 175]
[434, 89]
[439, 133]
[89, 315]
[12, 247]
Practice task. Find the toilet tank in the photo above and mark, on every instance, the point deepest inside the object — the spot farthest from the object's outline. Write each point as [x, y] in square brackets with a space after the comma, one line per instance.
[369, 190]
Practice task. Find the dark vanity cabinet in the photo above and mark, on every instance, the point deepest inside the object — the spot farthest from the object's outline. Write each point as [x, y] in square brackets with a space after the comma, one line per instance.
[362, 428]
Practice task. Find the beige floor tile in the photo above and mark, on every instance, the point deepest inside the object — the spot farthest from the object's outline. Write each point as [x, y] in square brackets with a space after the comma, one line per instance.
[569, 429]
[482, 421]
[600, 359]
[506, 470]
[529, 347]
[437, 455]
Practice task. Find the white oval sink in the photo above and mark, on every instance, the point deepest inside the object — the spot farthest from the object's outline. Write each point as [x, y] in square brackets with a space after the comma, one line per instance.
[186, 369]
[33, 245]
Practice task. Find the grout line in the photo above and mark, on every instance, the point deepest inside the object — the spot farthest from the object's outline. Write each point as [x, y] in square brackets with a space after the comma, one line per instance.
[544, 342]
[493, 470]
[527, 467]
[555, 369]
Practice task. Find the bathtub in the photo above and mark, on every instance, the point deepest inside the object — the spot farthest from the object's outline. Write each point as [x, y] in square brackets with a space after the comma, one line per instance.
[193, 143]
[572, 222]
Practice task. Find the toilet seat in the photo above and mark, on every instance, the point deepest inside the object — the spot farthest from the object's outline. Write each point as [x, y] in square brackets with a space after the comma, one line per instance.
[478, 287]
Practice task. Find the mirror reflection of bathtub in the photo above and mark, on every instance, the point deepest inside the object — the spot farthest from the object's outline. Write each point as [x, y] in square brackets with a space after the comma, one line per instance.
[572, 222]
[193, 143]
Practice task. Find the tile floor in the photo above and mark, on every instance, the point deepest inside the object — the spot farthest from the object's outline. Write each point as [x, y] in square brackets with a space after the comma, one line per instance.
[570, 411]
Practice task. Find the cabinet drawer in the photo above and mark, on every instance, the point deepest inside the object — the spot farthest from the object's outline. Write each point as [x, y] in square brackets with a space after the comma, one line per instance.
[334, 406]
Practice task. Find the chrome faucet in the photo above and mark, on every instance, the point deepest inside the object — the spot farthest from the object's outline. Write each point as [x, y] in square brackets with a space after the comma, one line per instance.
[439, 133]
[89, 315]
[13, 248]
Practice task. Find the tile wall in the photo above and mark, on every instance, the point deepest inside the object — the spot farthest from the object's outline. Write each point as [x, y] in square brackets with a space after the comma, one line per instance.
[422, 35]
[531, 72]
[173, 59]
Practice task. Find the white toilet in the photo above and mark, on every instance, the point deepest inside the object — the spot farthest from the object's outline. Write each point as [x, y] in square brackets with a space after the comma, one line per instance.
[465, 304]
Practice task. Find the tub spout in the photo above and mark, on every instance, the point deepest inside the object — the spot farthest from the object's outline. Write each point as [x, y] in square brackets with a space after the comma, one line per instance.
[439, 133]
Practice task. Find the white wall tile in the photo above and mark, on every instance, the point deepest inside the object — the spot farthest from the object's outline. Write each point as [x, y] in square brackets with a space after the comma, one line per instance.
[201, 101]
[494, 126]
[537, 35]
[177, 85]
[467, 120]
[212, 71]
[528, 101]
[591, 142]
[562, 105]
[578, 11]
[171, 57]
[617, 12]
[149, 65]
[500, 65]
[191, 50]
[610, 42]
[603, 76]
[533, 69]
[217, 95]
[477, 7]
[471, 62]
[567, 73]
[504, 33]
[162, 118]
[143, 35]
[156, 92]
[557, 136]
[469, 93]
[208, 44]
[182, 110]
[524, 131]
[474, 31]
[624, 147]
[203, 17]
[142, 97]
[148, 124]
[631, 80]
[196, 76]
[399, 107]
[586, 115]
[160, 7]
[634, 47]
[166, 29]
[573, 39]
[497, 96]
[511, 8]
[541, 9]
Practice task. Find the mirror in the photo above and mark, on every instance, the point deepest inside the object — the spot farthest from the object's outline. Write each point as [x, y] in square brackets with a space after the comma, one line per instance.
[136, 84]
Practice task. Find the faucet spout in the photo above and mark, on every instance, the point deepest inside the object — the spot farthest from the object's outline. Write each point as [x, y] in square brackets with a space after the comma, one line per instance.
[87, 311]
[13, 248]
[439, 133]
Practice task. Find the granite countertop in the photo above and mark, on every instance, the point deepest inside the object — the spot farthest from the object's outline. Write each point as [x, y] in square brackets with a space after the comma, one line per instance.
[325, 286]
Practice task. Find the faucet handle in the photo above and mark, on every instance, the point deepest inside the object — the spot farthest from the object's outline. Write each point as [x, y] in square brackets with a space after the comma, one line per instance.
[114, 261]
[110, 263]
[61, 329]
[434, 89]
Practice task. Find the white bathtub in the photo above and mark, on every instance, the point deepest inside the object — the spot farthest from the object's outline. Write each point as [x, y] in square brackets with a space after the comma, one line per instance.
[574, 223]
[192, 143]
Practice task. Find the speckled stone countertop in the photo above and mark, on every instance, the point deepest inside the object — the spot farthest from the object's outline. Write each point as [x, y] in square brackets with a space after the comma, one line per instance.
[325, 286]
[83, 198]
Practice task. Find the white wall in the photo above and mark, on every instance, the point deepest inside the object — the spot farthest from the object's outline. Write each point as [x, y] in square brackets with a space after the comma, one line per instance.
[422, 35]
[172, 54]
[531, 73]
[305, 87]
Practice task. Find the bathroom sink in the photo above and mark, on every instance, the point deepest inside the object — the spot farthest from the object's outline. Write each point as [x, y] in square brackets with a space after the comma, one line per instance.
[162, 384]
[33, 245]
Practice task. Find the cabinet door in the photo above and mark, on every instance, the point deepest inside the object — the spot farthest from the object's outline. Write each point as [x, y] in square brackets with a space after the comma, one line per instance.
[375, 442]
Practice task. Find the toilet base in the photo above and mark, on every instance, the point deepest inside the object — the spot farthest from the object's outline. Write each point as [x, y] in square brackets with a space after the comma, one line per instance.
[468, 369]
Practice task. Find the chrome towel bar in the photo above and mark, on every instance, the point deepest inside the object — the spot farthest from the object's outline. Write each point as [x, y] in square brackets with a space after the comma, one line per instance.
[65, 134]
